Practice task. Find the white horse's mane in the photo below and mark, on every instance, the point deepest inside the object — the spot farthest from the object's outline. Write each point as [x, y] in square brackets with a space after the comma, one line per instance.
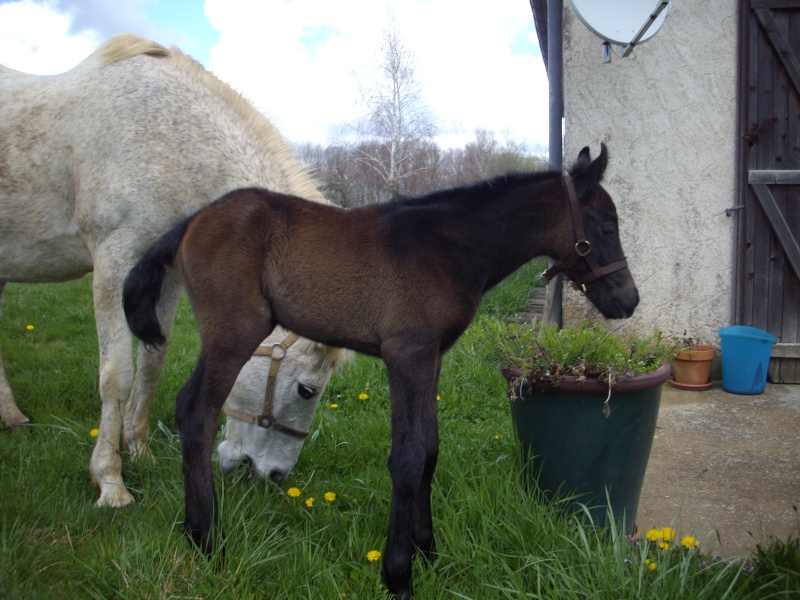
[333, 355]
[126, 46]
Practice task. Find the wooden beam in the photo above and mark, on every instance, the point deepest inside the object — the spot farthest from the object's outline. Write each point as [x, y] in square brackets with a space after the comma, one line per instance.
[782, 47]
[774, 177]
[786, 351]
[779, 225]
[775, 4]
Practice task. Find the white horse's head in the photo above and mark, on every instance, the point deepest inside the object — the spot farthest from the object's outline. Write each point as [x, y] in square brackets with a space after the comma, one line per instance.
[302, 375]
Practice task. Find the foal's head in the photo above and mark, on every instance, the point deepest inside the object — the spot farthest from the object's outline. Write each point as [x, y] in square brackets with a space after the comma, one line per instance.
[596, 265]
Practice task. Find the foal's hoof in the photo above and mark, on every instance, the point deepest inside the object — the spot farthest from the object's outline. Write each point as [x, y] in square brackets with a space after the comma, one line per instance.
[403, 595]
[210, 545]
[399, 587]
[428, 554]
[426, 549]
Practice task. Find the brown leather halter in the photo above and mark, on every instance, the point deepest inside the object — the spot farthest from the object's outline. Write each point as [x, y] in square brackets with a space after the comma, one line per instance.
[266, 419]
[583, 248]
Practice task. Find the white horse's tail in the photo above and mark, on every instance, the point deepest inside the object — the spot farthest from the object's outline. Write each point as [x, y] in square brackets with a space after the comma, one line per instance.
[142, 288]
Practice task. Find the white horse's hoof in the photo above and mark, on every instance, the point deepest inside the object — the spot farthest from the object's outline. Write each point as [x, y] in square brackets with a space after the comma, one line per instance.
[114, 496]
[145, 455]
[139, 451]
[12, 417]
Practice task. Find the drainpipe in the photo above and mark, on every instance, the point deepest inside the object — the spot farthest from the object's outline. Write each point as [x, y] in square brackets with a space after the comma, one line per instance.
[555, 72]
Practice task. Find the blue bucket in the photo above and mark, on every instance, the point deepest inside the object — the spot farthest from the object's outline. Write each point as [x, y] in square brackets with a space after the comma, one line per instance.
[745, 359]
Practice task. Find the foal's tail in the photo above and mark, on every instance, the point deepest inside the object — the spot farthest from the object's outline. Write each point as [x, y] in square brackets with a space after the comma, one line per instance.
[142, 287]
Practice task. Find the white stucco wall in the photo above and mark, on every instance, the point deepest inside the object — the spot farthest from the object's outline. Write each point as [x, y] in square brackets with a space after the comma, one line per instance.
[668, 116]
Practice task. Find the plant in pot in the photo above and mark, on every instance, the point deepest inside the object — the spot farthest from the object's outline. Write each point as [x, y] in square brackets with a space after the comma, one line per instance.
[691, 366]
[584, 404]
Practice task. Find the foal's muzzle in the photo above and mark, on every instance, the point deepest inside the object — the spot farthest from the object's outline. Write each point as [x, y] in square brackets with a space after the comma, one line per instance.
[615, 296]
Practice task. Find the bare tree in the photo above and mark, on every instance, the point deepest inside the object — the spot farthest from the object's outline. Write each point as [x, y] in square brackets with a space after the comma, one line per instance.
[396, 120]
[348, 180]
[487, 156]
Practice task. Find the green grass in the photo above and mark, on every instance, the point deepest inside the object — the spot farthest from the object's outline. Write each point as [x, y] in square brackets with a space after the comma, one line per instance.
[495, 540]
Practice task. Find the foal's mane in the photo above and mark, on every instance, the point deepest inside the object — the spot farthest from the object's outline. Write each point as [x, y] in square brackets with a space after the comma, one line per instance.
[125, 46]
[479, 191]
[476, 192]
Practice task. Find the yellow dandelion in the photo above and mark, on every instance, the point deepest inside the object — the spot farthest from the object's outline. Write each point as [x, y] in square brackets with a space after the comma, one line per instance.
[334, 405]
[30, 327]
[651, 564]
[663, 544]
[363, 396]
[668, 533]
[310, 501]
[438, 397]
[497, 436]
[373, 555]
[94, 432]
[689, 542]
[293, 492]
[654, 535]
[329, 496]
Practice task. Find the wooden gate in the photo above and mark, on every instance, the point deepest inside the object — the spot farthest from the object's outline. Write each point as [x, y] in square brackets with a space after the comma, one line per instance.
[768, 256]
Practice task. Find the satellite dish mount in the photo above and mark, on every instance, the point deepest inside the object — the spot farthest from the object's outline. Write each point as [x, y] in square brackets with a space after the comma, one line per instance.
[626, 23]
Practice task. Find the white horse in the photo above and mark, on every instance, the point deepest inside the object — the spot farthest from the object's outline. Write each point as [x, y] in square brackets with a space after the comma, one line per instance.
[95, 165]
[273, 402]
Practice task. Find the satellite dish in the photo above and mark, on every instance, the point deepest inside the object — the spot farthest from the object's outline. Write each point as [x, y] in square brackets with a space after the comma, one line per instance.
[623, 22]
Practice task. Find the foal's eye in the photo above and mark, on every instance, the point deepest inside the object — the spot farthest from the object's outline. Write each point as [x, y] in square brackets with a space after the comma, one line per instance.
[306, 391]
[608, 230]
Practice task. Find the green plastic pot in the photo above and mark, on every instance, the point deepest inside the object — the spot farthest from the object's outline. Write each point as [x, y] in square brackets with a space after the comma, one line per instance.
[572, 447]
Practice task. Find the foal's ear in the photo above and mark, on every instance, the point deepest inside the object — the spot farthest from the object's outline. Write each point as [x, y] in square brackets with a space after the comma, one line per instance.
[584, 161]
[587, 173]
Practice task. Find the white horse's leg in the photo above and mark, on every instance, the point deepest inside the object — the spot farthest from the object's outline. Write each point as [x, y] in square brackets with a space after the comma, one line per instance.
[116, 380]
[149, 364]
[8, 409]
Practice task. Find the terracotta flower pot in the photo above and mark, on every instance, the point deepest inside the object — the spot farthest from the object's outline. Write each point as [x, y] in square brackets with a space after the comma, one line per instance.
[692, 368]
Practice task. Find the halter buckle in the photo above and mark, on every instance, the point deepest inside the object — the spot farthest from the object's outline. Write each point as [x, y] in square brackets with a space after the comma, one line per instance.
[265, 421]
[580, 251]
[581, 289]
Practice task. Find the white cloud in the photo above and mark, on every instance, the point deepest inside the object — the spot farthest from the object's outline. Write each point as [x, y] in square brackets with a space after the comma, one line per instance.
[105, 17]
[464, 61]
[36, 39]
[301, 62]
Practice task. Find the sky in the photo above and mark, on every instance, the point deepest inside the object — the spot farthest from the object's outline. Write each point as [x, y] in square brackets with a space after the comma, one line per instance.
[302, 62]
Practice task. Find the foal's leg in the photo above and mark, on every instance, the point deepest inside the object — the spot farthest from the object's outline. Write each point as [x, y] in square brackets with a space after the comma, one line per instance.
[231, 328]
[8, 408]
[423, 521]
[149, 364]
[412, 382]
